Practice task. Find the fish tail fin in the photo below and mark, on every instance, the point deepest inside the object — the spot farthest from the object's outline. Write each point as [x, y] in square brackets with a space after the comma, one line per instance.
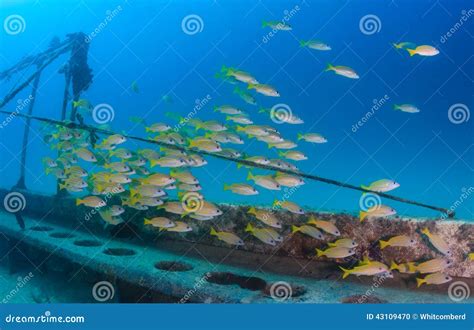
[146, 221]
[224, 69]
[411, 51]
[425, 231]
[419, 282]
[239, 165]
[332, 244]
[79, 201]
[396, 107]
[294, 229]
[75, 104]
[251, 210]
[411, 267]
[393, 266]
[346, 273]
[276, 202]
[302, 43]
[365, 187]
[319, 252]
[264, 24]
[133, 192]
[239, 128]
[383, 244]
[300, 136]
[226, 187]
[250, 86]
[329, 67]
[250, 176]
[362, 215]
[397, 46]
[213, 231]
[62, 186]
[249, 228]
[281, 154]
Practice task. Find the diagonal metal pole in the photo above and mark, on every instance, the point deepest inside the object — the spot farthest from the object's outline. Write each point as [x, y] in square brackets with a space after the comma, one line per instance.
[92, 129]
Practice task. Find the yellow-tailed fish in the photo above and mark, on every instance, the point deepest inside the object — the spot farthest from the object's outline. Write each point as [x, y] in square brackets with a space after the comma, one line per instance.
[410, 108]
[436, 278]
[241, 76]
[423, 50]
[342, 71]
[400, 241]
[227, 237]
[431, 266]
[312, 138]
[265, 181]
[265, 216]
[327, 226]
[179, 227]
[293, 155]
[344, 242]
[288, 180]
[404, 267]
[368, 269]
[261, 234]
[382, 185]
[241, 189]
[377, 211]
[266, 90]
[91, 201]
[336, 252]
[437, 242]
[159, 222]
[315, 44]
[277, 25]
[289, 206]
[307, 230]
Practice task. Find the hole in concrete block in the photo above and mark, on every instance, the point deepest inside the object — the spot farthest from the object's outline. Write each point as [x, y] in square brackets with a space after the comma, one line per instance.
[41, 228]
[87, 243]
[245, 282]
[61, 235]
[173, 266]
[119, 252]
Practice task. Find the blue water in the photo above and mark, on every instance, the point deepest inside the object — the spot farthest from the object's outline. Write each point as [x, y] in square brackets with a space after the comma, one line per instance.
[430, 157]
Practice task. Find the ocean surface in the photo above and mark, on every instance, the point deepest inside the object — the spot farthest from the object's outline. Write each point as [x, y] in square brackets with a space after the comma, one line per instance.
[141, 51]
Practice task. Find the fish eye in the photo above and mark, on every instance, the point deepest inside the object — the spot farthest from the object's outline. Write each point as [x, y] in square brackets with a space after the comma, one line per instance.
[447, 278]
[448, 262]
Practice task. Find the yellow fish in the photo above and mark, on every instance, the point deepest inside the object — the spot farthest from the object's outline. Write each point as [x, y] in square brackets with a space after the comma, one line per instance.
[344, 242]
[241, 189]
[343, 71]
[437, 242]
[436, 278]
[229, 238]
[423, 50]
[327, 226]
[377, 211]
[179, 227]
[308, 230]
[265, 181]
[266, 216]
[289, 206]
[159, 222]
[367, 269]
[401, 241]
[91, 201]
[336, 252]
[262, 234]
[403, 268]
[431, 266]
